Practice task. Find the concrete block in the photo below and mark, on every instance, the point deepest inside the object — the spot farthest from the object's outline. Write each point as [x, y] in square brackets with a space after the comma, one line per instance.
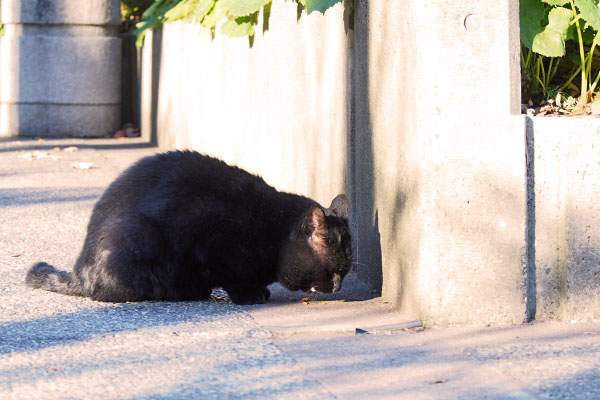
[59, 120]
[61, 69]
[61, 12]
[567, 217]
[61, 60]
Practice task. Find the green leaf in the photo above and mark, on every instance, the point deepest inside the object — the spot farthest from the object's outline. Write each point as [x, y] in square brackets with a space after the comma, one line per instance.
[239, 27]
[588, 35]
[573, 56]
[141, 27]
[319, 5]
[556, 2]
[531, 14]
[152, 9]
[201, 10]
[242, 8]
[193, 10]
[139, 42]
[571, 32]
[590, 12]
[551, 41]
[214, 16]
[153, 19]
[181, 10]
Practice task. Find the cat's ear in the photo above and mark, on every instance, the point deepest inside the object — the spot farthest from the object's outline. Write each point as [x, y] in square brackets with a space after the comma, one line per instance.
[340, 207]
[315, 229]
[314, 222]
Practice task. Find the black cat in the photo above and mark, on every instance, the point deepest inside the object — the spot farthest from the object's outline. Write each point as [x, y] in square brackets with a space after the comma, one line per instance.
[175, 225]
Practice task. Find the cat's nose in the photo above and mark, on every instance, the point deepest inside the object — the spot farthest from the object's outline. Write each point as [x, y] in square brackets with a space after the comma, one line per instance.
[337, 283]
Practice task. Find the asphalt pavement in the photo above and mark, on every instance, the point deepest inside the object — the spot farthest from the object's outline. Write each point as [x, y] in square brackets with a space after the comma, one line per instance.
[350, 345]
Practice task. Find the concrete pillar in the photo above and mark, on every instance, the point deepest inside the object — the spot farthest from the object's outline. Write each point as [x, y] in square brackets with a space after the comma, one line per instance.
[439, 158]
[60, 68]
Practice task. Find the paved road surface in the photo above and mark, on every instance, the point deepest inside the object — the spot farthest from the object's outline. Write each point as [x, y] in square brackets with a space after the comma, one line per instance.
[60, 347]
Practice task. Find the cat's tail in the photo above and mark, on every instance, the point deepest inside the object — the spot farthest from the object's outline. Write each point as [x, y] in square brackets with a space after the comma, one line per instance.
[45, 276]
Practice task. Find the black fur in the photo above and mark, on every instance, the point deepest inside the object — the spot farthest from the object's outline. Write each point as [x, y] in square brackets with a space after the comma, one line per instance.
[175, 225]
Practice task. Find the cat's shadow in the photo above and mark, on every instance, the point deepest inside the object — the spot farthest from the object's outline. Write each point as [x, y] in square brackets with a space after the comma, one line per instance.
[69, 328]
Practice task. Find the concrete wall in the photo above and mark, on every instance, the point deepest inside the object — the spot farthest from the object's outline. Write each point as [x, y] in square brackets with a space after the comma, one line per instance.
[463, 211]
[60, 68]
[277, 108]
[566, 153]
[421, 131]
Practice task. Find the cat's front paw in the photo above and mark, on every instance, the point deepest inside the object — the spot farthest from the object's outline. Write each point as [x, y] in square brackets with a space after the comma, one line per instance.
[245, 295]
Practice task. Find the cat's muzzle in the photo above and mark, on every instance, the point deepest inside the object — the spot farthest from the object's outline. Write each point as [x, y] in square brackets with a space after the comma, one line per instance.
[332, 286]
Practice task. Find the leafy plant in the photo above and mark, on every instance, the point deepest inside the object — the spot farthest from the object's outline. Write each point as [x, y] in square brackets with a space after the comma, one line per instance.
[537, 71]
[319, 5]
[235, 18]
[548, 27]
[131, 12]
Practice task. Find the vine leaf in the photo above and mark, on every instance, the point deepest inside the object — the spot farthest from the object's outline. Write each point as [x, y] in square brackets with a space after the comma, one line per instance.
[319, 5]
[152, 18]
[157, 8]
[238, 27]
[213, 17]
[531, 14]
[551, 41]
[191, 10]
[237, 8]
[556, 2]
[235, 18]
[589, 12]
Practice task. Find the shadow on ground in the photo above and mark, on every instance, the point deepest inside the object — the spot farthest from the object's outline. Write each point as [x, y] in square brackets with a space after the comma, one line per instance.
[29, 196]
[65, 329]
